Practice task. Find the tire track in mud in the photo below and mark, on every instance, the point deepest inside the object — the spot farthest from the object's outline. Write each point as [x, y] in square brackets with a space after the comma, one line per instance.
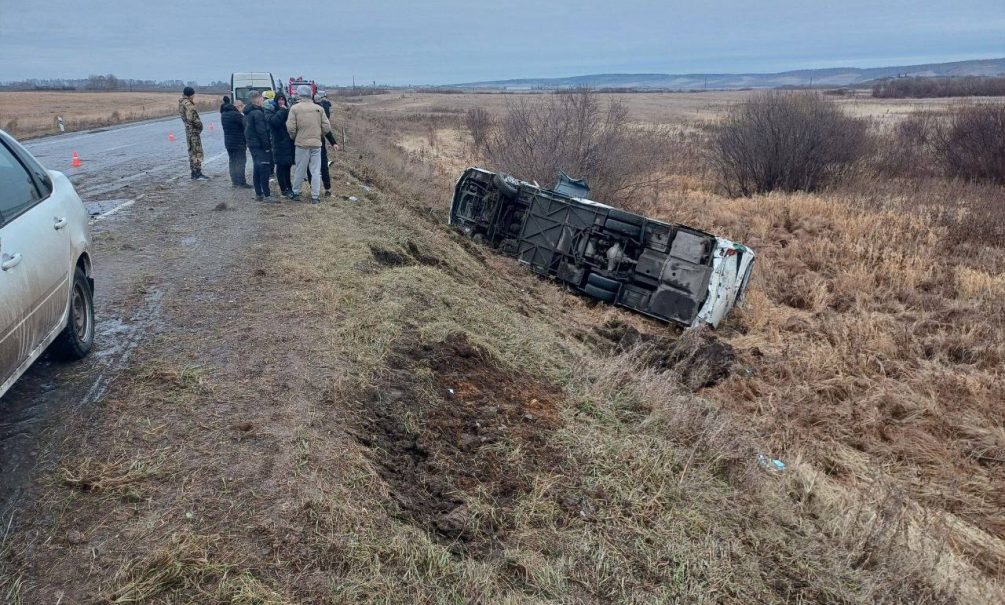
[27, 416]
[130, 334]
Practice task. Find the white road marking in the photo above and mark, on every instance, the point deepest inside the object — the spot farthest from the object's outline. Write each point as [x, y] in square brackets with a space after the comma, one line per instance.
[118, 147]
[124, 204]
[214, 158]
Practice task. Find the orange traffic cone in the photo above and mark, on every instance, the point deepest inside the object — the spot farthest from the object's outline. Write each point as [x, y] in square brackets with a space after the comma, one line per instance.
[76, 160]
[170, 136]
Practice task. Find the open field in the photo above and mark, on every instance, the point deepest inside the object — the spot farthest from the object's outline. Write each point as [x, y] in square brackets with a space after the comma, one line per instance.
[352, 403]
[32, 114]
[671, 107]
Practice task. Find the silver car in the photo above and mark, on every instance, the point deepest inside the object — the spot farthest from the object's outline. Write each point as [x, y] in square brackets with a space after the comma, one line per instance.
[46, 286]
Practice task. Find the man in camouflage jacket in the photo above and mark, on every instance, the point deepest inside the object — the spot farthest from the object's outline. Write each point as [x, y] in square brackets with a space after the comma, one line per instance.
[193, 130]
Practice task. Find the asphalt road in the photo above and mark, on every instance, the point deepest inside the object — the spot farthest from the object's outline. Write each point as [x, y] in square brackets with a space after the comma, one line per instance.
[119, 161]
[135, 183]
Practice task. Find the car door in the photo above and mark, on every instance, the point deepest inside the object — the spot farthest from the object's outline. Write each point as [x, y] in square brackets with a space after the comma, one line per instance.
[14, 303]
[34, 260]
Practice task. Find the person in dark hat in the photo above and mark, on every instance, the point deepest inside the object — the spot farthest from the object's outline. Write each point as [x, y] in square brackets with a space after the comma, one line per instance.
[321, 98]
[282, 145]
[259, 140]
[232, 121]
[193, 132]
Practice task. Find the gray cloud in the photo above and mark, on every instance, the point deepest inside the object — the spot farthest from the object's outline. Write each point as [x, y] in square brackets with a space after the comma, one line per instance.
[442, 41]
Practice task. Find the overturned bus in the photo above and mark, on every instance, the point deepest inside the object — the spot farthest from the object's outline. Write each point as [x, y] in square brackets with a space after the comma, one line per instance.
[671, 272]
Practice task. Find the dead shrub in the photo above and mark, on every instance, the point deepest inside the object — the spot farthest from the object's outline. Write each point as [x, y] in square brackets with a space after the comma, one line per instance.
[574, 132]
[479, 123]
[785, 141]
[909, 149]
[972, 144]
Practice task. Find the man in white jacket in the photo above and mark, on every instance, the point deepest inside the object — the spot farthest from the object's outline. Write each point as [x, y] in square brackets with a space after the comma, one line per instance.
[307, 125]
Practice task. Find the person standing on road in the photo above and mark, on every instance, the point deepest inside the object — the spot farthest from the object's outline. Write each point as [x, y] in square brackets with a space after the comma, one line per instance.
[282, 146]
[233, 139]
[307, 124]
[322, 100]
[256, 133]
[193, 131]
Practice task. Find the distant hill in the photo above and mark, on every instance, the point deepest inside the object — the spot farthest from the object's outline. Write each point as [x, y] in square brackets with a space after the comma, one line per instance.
[837, 76]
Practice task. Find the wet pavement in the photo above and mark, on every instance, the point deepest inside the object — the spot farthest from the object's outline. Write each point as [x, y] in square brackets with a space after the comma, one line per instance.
[121, 160]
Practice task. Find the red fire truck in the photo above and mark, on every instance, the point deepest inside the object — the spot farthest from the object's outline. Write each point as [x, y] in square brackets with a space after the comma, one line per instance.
[291, 89]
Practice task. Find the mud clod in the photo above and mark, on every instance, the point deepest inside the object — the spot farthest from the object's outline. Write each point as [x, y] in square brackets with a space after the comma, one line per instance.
[441, 453]
[422, 257]
[388, 258]
[699, 357]
[412, 254]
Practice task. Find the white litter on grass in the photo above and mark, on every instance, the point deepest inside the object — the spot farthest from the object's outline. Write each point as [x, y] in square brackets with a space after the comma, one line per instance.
[353, 198]
[771, 464]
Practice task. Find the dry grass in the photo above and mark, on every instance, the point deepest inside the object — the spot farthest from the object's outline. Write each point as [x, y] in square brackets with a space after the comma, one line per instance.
[90, 475]
[184, 572]
[629, 488]
[32, 114]
[874, 337]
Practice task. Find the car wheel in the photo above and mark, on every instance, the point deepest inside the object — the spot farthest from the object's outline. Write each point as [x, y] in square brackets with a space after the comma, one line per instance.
[603, 283]
[507, 185]
[623, 227]
[600, 293]
[625, 217]
[77, 337]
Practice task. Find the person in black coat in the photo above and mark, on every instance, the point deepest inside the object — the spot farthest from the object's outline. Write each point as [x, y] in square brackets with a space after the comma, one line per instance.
[282, 145]
[256, 134]
[233, 139]
[321, 98]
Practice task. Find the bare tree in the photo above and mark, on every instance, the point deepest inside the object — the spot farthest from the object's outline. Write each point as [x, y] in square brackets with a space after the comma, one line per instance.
[574, 132]
[919, 87]
[971, 144]
[479, 123]
[785, 141]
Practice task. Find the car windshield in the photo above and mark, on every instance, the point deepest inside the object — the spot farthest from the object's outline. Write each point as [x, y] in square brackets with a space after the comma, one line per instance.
[244, 92]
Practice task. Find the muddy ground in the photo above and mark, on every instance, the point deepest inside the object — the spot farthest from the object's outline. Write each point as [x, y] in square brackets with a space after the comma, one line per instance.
[477, 412]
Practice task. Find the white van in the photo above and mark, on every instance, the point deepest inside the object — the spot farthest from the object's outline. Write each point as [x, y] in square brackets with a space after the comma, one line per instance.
[672, 272]
[241, 84]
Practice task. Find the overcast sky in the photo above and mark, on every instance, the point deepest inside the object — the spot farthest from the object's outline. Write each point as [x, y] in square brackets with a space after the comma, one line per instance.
[449, 41]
